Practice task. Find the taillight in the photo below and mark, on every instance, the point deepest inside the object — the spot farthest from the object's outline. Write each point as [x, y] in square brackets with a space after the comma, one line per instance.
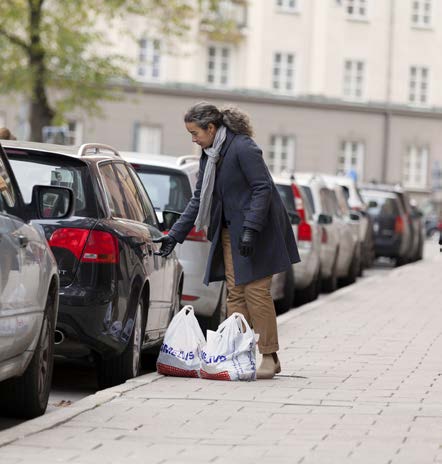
[399, 225]
[189, 298]
[299, 203]
[87, 246]
[439, 226]
[304, 232]
[324, 236]
[195, 236]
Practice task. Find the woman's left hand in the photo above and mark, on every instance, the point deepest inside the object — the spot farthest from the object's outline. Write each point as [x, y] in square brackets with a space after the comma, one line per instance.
[247, 242]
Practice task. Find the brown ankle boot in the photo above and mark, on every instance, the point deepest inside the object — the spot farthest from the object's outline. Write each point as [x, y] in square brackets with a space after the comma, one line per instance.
[270, 366]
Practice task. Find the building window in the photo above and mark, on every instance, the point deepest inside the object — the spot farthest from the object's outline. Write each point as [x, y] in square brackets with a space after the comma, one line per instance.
[356, 9]
[147, 139]
[354, 71]
[218, 65]
[351, 159]
[283, 72]
[149, 59]
[421, 13]
[281, 156]
[414, 171]
[287, 6]
[418, 91]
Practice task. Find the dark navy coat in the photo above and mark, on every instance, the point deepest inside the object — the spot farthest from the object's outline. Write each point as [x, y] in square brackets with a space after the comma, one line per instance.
[245, 192]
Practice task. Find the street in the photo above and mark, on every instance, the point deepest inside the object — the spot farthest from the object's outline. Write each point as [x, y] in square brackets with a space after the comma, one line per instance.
[72, 382]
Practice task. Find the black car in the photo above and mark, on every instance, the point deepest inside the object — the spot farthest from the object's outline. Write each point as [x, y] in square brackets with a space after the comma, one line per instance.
[29, 286]
[392, 232]
[116, 296]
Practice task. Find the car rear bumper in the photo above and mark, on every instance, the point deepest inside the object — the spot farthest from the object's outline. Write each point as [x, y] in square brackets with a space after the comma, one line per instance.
[306, 269]
[90, 324]
[387, 246]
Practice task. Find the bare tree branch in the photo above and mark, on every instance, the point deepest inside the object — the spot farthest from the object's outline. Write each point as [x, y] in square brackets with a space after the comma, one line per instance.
[14, 39]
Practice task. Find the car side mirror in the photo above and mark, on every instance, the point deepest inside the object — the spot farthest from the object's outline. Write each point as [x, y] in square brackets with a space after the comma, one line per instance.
[355, 216]
[50, 202]
[295, 218]
[325, 219]
[169, 219]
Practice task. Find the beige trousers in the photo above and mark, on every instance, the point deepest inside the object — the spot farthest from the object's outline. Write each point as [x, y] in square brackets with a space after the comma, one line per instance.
[253, 300]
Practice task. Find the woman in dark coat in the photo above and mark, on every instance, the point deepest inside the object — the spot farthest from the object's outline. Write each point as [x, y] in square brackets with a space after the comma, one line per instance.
[236, 200]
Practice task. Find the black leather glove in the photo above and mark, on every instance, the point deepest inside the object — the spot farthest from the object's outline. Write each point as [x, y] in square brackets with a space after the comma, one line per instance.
[167, 245]
[247, 242]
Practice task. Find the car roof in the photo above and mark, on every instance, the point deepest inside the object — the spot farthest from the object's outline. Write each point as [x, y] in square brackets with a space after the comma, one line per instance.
[378, 193]
[187, 163]
[282, 180]
[74, 151]
[383, 187]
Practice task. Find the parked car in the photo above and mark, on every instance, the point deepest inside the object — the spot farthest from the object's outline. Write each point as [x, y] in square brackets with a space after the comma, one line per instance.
[353, 220]
[116, 296]
[308, 234]
[286, 281]
[338, 247]
[29, 286]
[170, 182]
[413, 222]
[357, 205]
[392, 236]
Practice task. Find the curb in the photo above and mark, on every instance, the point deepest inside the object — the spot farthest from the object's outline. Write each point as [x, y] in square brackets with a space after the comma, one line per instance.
[56, 418]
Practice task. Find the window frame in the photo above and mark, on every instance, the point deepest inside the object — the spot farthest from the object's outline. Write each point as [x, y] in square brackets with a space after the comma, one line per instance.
[285, 7]
[417, 15]
[283, 66]
[356, 5]
[350, 79]
[413, 152]
[147, 60]
[346, 153]
[218, 64]
[419, 81]
[290, 160]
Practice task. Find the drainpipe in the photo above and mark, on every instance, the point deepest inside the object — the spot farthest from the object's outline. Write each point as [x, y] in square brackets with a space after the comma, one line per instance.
[387, 112]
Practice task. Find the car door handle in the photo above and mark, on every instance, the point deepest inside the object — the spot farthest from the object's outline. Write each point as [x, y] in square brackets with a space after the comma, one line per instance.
[23, 241]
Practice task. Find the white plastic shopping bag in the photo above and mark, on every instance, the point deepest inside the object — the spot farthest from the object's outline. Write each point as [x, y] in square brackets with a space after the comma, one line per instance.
[230, 352]
[180, 353]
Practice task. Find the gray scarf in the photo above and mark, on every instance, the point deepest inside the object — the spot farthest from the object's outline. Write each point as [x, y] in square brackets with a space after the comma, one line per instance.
[203, 218]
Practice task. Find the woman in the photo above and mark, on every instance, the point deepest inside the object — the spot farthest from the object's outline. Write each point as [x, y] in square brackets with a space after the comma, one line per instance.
[251, 234]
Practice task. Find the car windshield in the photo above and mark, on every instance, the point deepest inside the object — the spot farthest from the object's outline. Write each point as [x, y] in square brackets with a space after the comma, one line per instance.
[31, 168]
[167, 190]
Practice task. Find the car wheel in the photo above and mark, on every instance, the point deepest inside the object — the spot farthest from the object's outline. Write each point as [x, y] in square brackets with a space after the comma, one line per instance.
[286, 302]
[118, 369]
[353, 271]
[220, 313]
[330, 284]
[27, 396]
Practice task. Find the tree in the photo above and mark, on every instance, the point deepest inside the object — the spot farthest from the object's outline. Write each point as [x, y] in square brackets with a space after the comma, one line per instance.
[55, 48]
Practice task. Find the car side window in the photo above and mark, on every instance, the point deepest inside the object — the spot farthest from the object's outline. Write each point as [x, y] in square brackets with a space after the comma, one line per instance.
[134, 207]
[151, 217]
[113, 191]
[7, 194]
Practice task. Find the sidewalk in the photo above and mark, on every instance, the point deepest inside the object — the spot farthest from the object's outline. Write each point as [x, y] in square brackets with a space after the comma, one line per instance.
[361, 383]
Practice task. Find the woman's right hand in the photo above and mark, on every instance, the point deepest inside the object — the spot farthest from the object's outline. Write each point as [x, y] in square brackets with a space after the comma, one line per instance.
[167, 245]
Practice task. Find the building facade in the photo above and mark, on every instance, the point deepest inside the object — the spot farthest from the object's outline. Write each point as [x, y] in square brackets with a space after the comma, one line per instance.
[331, 85]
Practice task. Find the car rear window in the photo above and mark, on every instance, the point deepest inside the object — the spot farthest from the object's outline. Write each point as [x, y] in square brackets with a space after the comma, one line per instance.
[381, 206]
[168, 190]
[286, 194]
[38, 168]
[308, 193]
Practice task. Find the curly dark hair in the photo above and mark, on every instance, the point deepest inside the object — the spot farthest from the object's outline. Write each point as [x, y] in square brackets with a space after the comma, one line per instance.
[203, 113]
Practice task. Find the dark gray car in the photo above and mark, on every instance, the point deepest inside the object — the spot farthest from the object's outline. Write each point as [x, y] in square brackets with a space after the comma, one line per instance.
[29, 285]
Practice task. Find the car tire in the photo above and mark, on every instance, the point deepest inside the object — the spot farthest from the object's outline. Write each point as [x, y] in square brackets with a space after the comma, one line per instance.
[330, 284]
[27, 396]
[219, 315]
[353, 271]
[286, 302]
[117, 369]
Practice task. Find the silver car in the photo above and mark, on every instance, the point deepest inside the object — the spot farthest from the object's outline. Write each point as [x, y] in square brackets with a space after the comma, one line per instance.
[29, 285]
[170, 181]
